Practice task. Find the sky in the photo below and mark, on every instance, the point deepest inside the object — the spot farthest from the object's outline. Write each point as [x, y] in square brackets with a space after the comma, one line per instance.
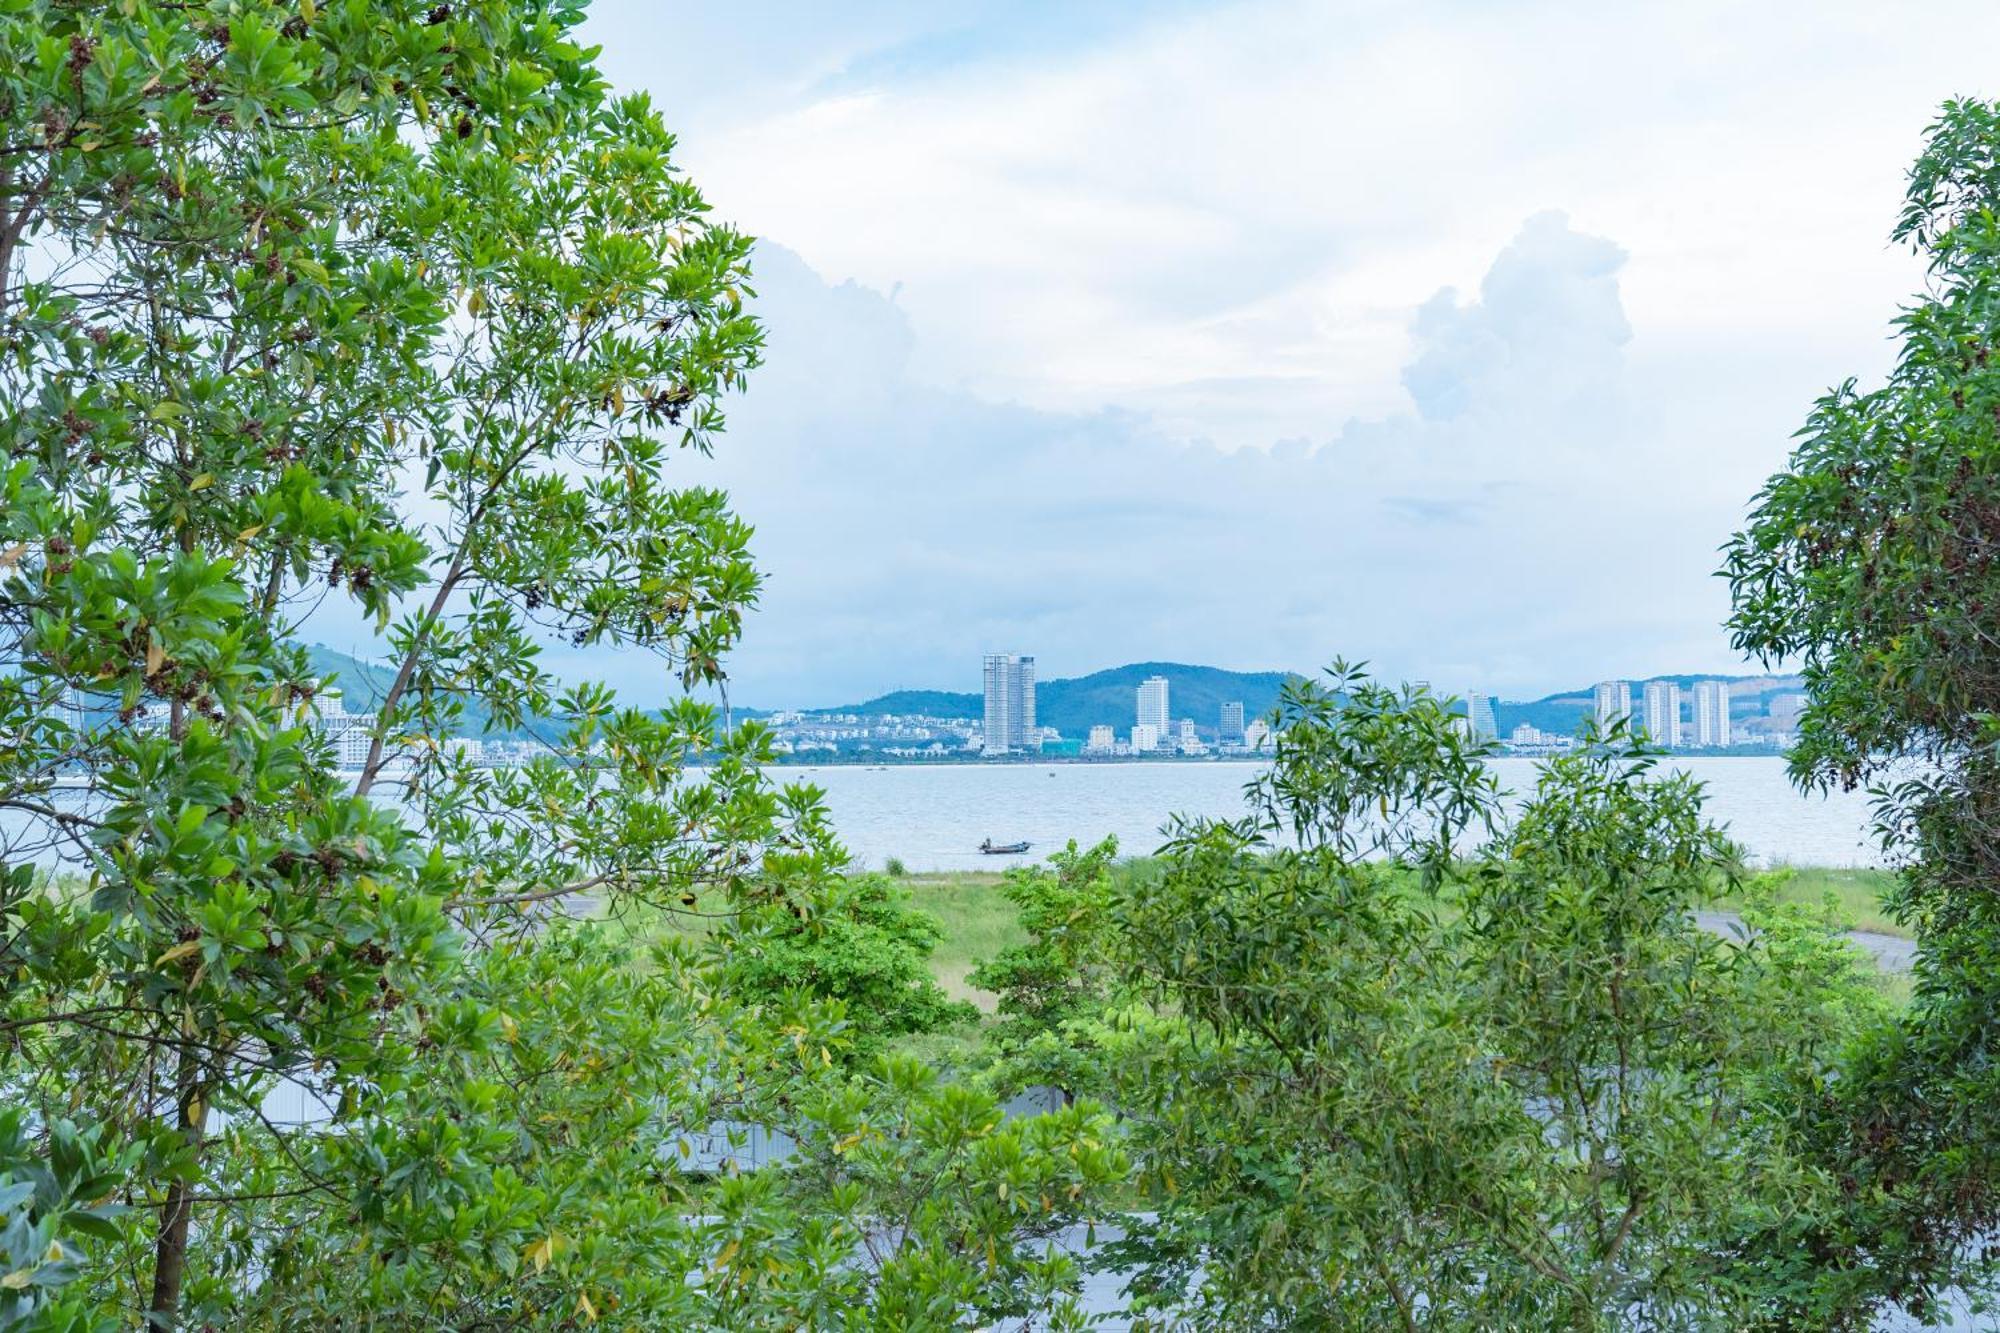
[1452, 337]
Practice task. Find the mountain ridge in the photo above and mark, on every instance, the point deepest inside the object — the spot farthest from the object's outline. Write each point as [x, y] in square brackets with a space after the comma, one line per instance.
[1074, 704]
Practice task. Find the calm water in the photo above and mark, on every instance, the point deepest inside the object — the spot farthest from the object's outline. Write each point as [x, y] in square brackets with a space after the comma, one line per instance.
[934, 816]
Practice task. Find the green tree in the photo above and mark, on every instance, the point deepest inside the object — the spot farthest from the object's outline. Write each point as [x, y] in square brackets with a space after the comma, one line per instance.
[857, 939]
[541, 1174]
[1383, 1086]
[1055, 988]
[1871, 562]
[387, 310]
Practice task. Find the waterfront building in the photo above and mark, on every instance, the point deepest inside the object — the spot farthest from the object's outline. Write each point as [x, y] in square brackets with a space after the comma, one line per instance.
[1663, 712]
[1145, 738]
[1153, 704]
[1256, 734]
[350, 734]
[1613, 702]
[1010, 703]
[1711, 714]
[1479, 716]
[1230, 733]
[1184, 734]
[1103, 740]
[1532, 740]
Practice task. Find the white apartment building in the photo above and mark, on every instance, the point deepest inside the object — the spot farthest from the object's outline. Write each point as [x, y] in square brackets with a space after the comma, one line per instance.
[1663, 712]
[1010, 703]
[350, 734]
[1145, 738]
[1613, 701]
[1479, 716]
[1103, 740]
[1711, 714]
[1153, 705]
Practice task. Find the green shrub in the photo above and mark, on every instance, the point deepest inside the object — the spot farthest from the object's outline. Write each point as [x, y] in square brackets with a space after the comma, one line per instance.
[857, 939]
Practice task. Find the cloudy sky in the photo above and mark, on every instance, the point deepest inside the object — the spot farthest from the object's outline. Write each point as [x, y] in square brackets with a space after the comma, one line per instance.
[1450, 336]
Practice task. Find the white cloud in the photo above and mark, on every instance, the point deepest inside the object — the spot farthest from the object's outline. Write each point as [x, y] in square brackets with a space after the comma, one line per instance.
[1220, 219]
[1547, 325]
[906, 528]
[1115, 229]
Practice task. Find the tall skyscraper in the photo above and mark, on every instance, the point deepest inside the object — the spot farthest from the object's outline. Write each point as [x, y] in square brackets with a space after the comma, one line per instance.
[1711, 714]
[1479, 716]
[1231, 730]
[1010, 703]
[1153, 704]
[1614, 700]
[1663, 712]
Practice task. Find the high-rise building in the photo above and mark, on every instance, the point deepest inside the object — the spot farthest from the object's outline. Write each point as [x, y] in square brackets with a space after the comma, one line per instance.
[1153, 704]
[1479, 716]
[1711, 714]
[1145, 738]
[1010, 703]
[1663, 712]
[352, 735]
[1614, 701]
[1103, 740]
[1231, 730]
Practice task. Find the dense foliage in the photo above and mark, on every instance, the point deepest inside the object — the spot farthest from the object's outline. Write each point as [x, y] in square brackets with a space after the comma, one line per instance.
[1874, 561]
[852, 938]
[390, 314]
[1052, 989]
[1376, 1085]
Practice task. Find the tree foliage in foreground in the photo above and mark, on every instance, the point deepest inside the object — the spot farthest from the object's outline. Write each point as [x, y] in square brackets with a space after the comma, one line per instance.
[1379, 1087]
[389, 313]
[1054, 987]
[1874, 561]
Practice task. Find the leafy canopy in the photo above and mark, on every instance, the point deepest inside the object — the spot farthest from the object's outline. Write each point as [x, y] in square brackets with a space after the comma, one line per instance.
[391, 313]
[1871, 560]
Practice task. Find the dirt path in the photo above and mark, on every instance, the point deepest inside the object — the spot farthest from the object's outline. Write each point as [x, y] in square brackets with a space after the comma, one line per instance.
[1892, 953]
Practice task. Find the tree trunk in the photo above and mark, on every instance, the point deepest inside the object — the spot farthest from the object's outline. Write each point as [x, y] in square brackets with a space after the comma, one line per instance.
[170, 1251]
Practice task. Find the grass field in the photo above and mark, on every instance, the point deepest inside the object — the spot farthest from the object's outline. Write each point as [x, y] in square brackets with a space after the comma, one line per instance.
[979, 922]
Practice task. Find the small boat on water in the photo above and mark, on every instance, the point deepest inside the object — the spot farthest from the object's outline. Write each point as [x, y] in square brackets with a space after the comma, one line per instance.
[991, 848]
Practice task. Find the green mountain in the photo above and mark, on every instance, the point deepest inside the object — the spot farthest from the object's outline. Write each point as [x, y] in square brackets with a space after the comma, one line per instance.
[362, 685]
[928, 703]
[1073, 706]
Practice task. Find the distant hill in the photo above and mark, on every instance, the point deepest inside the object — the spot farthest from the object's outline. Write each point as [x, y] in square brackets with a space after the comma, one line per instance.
[1072, 706]
[362, 685]
[928, 703]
